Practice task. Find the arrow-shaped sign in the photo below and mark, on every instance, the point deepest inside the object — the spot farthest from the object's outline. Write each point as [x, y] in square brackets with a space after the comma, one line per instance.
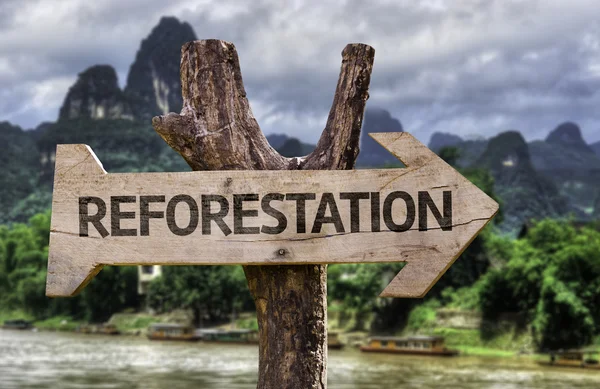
[425, 215]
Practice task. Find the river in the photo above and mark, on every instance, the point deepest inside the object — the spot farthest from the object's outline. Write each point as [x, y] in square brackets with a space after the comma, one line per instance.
[62, 361]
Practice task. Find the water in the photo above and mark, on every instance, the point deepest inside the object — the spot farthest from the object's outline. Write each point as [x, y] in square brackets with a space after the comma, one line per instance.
[64, 361]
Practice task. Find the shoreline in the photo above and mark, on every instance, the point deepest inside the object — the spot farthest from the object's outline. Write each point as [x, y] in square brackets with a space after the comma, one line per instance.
[467, 342]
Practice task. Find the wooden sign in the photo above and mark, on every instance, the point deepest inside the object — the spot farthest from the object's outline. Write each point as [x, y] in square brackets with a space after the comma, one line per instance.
[425, 215]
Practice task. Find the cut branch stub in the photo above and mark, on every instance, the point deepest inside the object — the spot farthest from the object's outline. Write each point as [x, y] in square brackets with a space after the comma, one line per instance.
[217, 131]
[337, 148]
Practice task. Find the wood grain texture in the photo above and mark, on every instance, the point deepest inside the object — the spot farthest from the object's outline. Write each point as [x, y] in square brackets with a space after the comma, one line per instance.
[428, 253]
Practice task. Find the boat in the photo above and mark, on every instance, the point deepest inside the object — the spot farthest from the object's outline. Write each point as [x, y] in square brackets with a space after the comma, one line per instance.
[108, 329]
[18, 324]
[244, 336]
[334, 342]
[105, 329]
[415, 345]
[580, 358]
[170, 331]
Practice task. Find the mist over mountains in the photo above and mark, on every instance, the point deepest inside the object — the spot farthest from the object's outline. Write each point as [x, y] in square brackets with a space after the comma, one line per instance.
[558, 176]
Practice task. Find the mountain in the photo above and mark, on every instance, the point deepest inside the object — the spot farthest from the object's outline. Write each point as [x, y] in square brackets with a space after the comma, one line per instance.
[96, 94]
[596, 147]
[95, 111]
[564, 158]
[574, 167]
[372, 154]
[470, 150]
[288, 146]
[525, 193]
[440, 140]
[121, 146]
[568, 135]
[277, 140]
[20, 163]
[153, 83]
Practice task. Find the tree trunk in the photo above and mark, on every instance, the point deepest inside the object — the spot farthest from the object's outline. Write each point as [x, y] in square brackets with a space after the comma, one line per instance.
[217, 131]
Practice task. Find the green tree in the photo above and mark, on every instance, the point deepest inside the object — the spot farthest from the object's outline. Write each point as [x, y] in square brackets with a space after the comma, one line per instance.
[111, 291]
[211, 292]
[450, 155]
[31, 292]
[553, 279]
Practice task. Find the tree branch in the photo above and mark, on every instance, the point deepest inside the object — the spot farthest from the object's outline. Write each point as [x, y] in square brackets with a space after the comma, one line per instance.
[338, 146]
[216, 129]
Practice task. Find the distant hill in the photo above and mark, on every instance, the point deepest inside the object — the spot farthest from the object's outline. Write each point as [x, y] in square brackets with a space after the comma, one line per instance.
[564, 158]
[289, 146]
[525, 193]
[470, 150]
[568, 135]
[121, 146]
[114, 122]
[153, 83]
[574, 167]
[596, 147]
[96, 95]
[372, 154]
[440, 140]
[277, 140]
[20, 167]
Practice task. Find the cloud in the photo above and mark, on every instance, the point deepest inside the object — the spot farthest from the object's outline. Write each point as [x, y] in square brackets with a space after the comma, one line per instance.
[467, 67]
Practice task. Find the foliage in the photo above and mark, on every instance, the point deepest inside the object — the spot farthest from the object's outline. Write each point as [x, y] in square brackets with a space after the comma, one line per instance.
[111, 291]
[27, 158]
[133, 321]
[36, 202]
[466, 298]
[212, 292]
[470, 342]
[23, 261]
[450, 155]
[249, 323]
[355, 287]
[20, 167]
[553, 279]
[422, 319]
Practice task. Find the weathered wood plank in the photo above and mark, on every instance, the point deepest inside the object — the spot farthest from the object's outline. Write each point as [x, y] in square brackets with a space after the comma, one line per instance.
[160, 218]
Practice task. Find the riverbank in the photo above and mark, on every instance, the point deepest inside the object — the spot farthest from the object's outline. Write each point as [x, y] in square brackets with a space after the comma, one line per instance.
[469, 342]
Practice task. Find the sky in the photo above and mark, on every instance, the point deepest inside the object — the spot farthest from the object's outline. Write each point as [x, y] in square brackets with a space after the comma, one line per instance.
[469, 67]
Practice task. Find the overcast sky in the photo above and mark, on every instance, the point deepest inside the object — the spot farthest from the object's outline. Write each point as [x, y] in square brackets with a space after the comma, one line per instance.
[469, 67]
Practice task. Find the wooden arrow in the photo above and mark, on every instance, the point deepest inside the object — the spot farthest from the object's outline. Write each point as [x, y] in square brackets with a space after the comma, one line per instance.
[425, 215]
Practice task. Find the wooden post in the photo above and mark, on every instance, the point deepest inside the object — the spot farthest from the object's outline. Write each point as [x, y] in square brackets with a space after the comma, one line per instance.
[217, 131]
